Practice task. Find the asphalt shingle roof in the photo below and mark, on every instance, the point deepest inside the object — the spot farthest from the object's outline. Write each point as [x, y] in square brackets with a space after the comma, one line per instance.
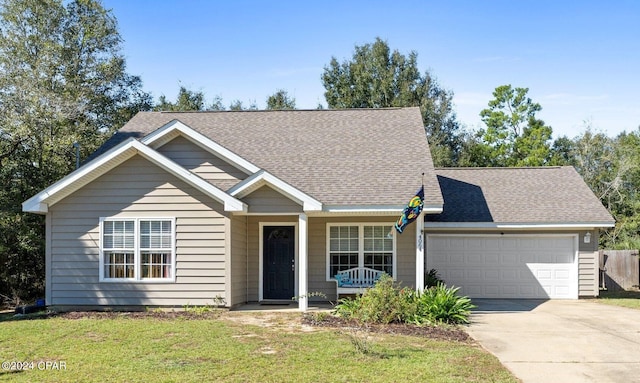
[518, 195]
[340, 157]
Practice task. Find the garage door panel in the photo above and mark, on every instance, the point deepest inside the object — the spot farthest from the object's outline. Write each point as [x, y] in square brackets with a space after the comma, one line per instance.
[506, 266]
[509, 258]
[491, 258]
[474, 259]
[506, 275]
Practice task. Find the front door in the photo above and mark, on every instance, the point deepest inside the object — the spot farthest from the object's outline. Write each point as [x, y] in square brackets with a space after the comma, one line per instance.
[278, 262]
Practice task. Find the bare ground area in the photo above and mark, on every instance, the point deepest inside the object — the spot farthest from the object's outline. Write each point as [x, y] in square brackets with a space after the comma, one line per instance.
[289, 322]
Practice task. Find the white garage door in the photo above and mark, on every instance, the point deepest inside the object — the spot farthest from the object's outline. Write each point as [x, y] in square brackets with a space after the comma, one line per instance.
[506, 266]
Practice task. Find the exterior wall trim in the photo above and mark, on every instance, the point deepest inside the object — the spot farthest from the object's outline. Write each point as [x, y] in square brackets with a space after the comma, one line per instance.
[517, 225]
[262, 177]
[163, 134]
[74, 181]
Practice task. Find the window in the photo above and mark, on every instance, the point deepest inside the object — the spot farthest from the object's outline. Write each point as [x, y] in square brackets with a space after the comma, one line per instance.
[137, 249]
[360, 245]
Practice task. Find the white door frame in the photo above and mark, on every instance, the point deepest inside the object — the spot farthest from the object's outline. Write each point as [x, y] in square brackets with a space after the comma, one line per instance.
[261, 226]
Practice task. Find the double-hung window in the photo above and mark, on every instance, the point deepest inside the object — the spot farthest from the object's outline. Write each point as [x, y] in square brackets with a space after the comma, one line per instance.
[137, 249]
[360, 245]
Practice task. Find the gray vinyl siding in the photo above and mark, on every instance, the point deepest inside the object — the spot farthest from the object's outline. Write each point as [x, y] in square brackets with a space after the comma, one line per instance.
[266, 200]
[208, 166]
[239, 260]
[137, 189]
[588, 266]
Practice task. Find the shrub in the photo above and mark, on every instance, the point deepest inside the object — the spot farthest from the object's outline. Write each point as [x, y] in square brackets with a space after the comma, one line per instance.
[443, 304]
[383, 303]
[387, 302]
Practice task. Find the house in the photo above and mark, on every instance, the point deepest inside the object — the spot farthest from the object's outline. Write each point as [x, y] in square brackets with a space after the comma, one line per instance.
[260, 206]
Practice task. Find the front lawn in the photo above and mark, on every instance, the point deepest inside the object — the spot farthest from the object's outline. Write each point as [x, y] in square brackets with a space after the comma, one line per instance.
[229, 347]
[629, 299]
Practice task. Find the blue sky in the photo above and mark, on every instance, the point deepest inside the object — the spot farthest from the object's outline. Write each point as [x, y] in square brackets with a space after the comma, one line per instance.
[579, 59]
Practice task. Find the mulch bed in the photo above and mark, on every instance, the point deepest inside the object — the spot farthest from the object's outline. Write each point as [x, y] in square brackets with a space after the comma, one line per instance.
[434, 332]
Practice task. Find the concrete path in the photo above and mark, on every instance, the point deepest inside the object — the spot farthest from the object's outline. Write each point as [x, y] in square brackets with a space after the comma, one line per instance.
[559, 340]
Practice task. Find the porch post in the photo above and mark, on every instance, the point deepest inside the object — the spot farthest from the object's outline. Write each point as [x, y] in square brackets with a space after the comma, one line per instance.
[420, 253]
[303, 300]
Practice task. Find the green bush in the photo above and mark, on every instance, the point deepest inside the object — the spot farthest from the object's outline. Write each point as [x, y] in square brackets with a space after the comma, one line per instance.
[387, 302]
[383, 303]
[442, 304]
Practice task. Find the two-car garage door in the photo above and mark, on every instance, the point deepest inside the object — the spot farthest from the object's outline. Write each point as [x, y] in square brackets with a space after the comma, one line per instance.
[506, 266]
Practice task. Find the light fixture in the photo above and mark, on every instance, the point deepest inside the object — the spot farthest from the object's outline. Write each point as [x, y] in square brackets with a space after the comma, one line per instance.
[587, 238]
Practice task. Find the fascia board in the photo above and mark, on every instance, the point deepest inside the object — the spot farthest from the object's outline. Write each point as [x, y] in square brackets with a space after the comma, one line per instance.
[516, 225]
[202, 141]
[263, 177]
[118, 154]
[38, 204]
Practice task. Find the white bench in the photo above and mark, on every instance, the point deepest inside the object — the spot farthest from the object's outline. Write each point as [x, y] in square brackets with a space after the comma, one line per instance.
[356, 280]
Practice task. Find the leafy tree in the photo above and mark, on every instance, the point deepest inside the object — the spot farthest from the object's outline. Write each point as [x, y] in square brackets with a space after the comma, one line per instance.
[611, 168]
[377, 77]
[562, 152]
[187, 100]
[514, 136]
[237, 105]
[62, 80]
[280, 100]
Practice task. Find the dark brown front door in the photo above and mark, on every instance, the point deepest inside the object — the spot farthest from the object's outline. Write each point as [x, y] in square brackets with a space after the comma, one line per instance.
[279, 262]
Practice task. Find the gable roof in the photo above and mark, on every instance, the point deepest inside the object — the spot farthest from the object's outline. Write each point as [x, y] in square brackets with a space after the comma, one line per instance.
[113, 157]
[553, 196]
[352, 158]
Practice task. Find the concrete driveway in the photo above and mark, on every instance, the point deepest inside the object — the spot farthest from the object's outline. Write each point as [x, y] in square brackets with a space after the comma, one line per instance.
[560, 340]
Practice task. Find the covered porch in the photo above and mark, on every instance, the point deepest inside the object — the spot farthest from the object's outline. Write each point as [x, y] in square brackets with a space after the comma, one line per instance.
[288, 261]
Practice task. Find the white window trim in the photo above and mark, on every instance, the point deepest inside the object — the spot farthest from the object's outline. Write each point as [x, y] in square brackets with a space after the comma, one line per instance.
[136, 251]
[360, 245]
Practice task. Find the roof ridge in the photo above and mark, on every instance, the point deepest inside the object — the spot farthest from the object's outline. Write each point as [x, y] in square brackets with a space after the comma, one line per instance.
[501, 167]
[279, 110]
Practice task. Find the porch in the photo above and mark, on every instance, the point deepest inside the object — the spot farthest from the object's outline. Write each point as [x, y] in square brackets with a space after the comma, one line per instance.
[288, 261]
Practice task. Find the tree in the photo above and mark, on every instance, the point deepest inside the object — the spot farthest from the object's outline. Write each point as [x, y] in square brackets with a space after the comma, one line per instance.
[63, 80]
[237, 105]
[514, 136]
[377, 77]
[280, 100]
[187, 100]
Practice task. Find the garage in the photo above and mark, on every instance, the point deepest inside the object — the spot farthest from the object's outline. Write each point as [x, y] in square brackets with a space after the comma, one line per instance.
[506, 266]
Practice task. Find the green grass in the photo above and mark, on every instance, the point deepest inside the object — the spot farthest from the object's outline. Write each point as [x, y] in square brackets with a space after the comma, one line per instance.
[629, 299]
[225, 349]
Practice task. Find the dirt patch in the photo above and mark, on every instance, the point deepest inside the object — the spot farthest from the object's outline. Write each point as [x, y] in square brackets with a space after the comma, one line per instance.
[433, 332]
[289, 322]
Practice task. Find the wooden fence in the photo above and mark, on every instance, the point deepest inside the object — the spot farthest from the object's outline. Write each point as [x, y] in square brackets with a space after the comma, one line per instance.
[619, 269]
